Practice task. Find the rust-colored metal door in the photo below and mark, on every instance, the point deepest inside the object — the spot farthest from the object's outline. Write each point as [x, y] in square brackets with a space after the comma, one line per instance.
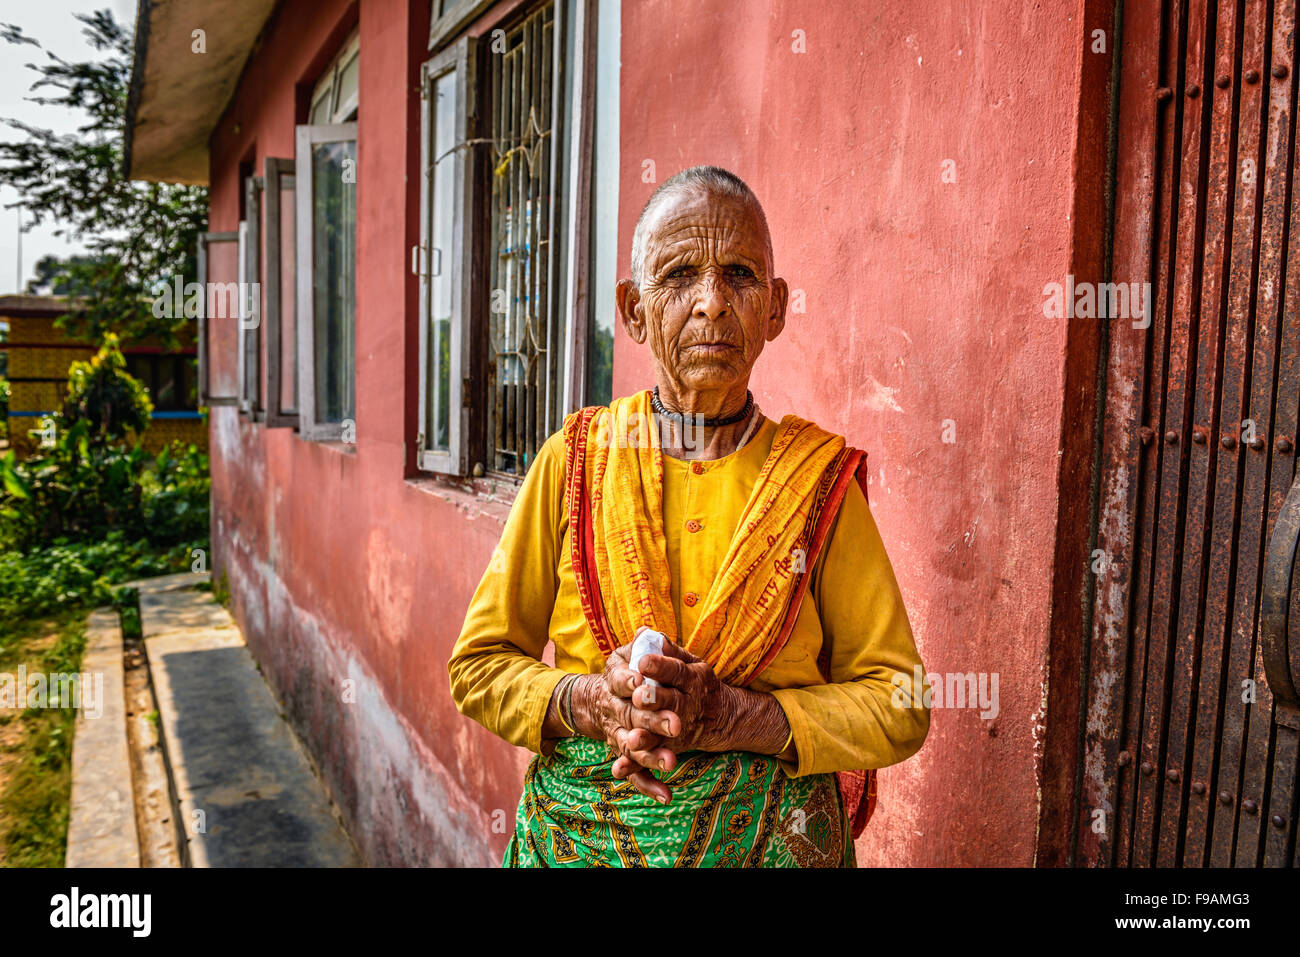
[1192, 723]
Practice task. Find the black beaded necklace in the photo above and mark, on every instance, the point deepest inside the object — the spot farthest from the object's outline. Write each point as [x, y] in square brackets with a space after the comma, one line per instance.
[682, 417]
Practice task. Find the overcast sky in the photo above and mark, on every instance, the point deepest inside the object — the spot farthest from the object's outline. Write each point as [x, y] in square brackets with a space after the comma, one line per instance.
[51, 22]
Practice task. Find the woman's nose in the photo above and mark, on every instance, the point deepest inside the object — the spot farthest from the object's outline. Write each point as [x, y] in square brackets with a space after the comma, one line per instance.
[712, 299]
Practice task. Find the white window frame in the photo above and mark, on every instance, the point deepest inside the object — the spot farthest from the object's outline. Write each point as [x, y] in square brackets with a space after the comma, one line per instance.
[341, 126]
[206, 398]
[307, 137]
[456, 262]
[279, 176]
[249, 362]
[328, 85]
[578, 224]
[457, 15]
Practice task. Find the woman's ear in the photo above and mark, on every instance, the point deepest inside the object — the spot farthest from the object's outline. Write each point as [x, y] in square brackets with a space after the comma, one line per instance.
[776, 315]
[630, 310]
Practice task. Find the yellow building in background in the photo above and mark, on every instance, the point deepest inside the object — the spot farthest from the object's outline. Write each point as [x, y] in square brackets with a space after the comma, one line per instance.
[39, 357]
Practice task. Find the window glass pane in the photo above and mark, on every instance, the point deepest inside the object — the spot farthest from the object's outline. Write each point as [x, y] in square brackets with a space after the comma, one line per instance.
[602, 244]
[334, 228]
[320, 109]
[221, 308]
[441, 251]
[349, 77]
[288, 300]
[600, 358]
[527, 339]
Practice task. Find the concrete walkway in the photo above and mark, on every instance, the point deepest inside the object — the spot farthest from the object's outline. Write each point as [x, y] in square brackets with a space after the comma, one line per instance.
[246, 792]
[101, 817]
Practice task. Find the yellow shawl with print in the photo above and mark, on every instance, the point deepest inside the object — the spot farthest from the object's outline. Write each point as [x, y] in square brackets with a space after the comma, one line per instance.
[741, 616]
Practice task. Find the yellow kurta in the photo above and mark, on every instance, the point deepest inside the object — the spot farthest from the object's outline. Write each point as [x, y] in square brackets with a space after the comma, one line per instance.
[528, 596]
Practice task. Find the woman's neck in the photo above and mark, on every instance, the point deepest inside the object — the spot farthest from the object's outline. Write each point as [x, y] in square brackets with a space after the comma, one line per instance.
[690, 441]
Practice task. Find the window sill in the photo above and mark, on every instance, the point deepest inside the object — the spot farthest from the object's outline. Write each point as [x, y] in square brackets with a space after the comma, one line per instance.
[487, 497]
[334, 445]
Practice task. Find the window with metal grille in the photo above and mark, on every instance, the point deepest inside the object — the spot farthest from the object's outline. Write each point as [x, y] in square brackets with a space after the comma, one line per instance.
[525, 357]
[505, 232]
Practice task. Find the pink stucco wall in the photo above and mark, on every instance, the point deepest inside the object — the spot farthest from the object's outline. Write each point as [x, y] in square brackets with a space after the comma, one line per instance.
[921, 304]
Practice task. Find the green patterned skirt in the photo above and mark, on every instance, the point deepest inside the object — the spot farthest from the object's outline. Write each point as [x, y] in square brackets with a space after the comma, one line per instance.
[734, 809]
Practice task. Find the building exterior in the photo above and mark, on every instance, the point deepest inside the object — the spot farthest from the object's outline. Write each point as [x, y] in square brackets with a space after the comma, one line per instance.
[40, 354]
[436, 198]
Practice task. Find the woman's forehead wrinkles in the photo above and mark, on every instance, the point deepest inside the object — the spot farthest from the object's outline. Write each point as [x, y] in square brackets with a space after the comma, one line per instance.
[729, 236]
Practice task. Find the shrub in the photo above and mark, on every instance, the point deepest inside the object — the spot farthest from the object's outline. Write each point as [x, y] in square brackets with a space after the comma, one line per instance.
[76, 491]
[77, 574]
[103, 395]
[90, 481]
[175, 497]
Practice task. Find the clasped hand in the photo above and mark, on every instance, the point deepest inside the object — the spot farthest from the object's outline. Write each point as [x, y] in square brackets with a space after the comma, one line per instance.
[648, 727]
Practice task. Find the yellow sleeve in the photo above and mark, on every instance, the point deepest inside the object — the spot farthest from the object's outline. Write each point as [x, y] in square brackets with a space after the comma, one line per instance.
[497, 676]
[861, 718]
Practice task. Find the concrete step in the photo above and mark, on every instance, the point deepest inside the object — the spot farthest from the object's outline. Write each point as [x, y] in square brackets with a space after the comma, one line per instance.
[246, 793]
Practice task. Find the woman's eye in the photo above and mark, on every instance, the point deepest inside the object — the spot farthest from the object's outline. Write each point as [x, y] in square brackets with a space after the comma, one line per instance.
[678, 272]
[741, 272]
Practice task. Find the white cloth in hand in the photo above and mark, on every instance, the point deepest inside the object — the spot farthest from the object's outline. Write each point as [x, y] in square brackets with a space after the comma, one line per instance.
[647, 643]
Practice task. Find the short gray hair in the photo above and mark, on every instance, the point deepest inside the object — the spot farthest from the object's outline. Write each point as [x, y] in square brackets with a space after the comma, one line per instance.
[711, 179]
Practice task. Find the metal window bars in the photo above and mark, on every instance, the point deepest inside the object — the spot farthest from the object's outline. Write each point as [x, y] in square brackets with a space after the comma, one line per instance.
[525, 378]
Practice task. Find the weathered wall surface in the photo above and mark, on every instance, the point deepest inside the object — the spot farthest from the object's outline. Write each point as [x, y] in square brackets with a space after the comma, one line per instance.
[340, 570]
[921, 303]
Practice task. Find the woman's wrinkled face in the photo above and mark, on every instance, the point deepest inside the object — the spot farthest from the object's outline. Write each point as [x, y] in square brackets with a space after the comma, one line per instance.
[707, 301]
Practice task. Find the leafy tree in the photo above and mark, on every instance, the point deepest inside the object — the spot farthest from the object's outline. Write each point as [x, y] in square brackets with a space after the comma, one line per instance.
[103, 395]
[53, 276]
[136, 232]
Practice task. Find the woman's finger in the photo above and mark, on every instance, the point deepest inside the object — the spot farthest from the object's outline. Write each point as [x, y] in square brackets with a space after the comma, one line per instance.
[671, 650]
[661, 698]
[665, 723]
[651, 787]
[624, 766]
[658, 759]
[620, 679]
[667, 671]
[639, 739]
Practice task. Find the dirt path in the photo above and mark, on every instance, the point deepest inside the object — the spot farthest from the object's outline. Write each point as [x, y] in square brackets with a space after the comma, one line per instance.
[154, 815]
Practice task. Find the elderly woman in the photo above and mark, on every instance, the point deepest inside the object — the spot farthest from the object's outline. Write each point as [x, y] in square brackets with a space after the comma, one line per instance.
[787, 664]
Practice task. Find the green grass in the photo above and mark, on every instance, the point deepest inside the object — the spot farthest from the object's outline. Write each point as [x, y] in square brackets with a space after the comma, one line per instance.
[34, 803]
[221, 591]
[127, 601]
